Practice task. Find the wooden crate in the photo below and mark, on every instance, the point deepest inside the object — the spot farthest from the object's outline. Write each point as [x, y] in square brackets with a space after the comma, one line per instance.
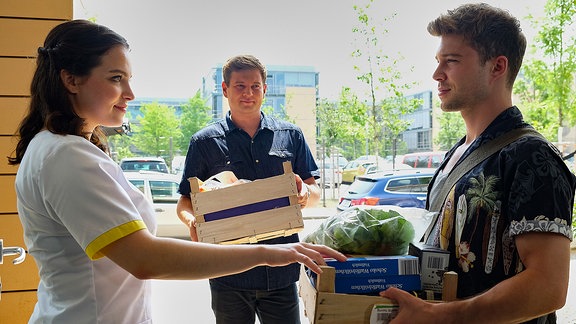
[323, 305]
[249, 212]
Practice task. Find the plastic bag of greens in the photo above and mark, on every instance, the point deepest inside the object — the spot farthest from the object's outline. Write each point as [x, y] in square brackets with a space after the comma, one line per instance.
[368, 230]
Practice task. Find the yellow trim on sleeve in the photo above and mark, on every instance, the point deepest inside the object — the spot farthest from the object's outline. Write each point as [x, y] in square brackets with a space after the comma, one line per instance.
[93, 249]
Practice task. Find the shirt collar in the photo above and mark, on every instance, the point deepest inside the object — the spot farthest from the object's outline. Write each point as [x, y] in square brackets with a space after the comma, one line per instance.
[266, 122]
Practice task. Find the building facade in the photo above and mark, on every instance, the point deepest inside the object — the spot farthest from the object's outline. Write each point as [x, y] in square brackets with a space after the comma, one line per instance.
[418, 137]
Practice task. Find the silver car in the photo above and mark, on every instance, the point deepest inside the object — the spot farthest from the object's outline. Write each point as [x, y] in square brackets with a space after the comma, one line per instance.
[162, 190]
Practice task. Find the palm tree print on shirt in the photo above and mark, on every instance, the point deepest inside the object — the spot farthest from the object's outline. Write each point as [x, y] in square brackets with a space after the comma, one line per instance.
[482, 200]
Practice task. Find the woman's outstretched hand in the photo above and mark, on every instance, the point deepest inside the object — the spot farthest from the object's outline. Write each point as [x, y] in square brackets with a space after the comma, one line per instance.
[310, 255]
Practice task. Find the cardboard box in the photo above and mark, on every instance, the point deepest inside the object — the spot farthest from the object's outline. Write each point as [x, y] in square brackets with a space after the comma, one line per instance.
[375, 266]
[373, 286]
[433, 264]
[372, 274]
[249, 212]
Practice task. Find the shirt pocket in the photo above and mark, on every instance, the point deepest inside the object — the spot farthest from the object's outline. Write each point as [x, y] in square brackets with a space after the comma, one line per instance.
[282, 154]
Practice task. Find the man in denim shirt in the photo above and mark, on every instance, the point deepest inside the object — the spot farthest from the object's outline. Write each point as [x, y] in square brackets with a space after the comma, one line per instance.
[253, 146]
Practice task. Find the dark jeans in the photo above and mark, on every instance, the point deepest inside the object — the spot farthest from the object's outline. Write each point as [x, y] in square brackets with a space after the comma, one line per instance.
[232, 306]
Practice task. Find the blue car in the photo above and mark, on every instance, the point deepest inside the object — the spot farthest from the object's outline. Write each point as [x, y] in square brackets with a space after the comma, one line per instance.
[403, 188]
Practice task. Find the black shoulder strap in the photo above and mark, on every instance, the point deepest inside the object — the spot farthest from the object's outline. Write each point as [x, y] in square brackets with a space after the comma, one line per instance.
[476, 157]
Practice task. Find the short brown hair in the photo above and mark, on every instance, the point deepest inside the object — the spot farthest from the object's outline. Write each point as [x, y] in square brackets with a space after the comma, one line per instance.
[488, 30]
[242, 62]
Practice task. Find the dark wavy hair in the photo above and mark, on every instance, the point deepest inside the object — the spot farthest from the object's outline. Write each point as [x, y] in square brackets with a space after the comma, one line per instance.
[488, 30]
[75, 46]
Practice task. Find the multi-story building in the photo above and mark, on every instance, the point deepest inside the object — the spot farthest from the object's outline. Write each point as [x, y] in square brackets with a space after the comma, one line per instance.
[292, 91]
[418, 137]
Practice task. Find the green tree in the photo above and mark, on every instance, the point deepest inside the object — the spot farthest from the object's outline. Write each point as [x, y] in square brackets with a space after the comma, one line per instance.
[120, 146]
[195, 116]
[546, 89]
[379, 72]
[159, 128]
[340, 121]
[452, 129]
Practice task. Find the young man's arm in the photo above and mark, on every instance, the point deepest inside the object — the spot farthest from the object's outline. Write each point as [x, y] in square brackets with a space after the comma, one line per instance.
[184, 211]
[308, 192]
[538, 290]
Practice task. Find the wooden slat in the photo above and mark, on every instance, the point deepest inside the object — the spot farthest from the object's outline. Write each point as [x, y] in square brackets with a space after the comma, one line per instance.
[20, 37]
[23, 276]
[53, 9]
[322, 305]
[449, 286]
[12, 110]
[327, 307]
[7, 194]
[16, 76]
[244, 194]
[254, 227]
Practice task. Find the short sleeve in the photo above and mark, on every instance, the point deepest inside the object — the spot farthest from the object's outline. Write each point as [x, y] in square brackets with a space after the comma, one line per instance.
[86, 192]
[541, 192]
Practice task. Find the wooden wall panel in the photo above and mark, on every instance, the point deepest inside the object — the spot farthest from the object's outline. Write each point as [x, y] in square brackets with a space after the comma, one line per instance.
[7, 194]
[12, 110]
[22, 37]
[53, 9]
[23, 26]
[7, 147]
[23, 276]
[16, 307]
[16, 76]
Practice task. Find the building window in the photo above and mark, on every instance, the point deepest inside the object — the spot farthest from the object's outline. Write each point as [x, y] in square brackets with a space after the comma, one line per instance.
[424, 140]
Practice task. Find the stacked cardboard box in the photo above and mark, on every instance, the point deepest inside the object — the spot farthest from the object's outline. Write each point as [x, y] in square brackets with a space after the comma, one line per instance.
[433, 264]
[372, 274]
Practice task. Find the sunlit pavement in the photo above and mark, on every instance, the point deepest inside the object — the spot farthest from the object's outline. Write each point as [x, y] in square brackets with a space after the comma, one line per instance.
[179, 302]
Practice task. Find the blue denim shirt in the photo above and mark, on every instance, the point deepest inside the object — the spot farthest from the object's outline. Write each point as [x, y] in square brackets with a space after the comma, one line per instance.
[223, 146]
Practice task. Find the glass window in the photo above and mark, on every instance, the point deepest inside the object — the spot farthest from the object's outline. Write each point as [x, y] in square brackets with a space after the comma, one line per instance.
[401, 185]
[300, 79]
[164, 191]
[408, 185]
[436, 160]
[361, 187]
[138, 184]
[422, 185]
[409, 160]
[422, 161]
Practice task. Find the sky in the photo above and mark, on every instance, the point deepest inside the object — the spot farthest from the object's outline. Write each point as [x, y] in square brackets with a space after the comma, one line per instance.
[174, 43]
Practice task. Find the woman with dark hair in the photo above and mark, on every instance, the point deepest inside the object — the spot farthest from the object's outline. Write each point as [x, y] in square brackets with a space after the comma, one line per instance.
[89, 230]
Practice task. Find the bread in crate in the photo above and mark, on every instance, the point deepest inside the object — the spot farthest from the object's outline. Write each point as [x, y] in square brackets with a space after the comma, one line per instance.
[248, 212]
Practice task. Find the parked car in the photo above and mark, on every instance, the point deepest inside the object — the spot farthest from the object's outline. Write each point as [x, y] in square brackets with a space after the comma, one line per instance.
[403, 188]
[354, 169]
[162, 190]
[371, 158]
[373, 168]
[330, 176]
[424, 159]
[177, 166]
[157, 164]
